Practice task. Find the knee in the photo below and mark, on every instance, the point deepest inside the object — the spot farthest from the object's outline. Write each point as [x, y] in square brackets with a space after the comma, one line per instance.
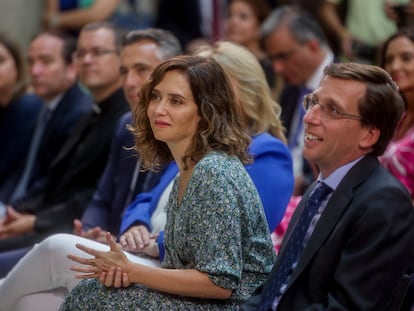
[55, 243]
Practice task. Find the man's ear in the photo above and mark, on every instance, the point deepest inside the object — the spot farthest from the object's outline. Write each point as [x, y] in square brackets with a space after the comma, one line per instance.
[370, 137]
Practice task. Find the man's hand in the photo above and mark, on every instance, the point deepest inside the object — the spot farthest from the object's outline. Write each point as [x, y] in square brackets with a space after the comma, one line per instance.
[15, 224]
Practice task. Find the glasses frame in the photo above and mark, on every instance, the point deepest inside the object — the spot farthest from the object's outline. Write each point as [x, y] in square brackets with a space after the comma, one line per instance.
[310, 101]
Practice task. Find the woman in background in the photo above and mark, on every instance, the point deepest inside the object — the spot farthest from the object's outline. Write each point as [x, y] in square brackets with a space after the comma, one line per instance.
[398, 61]
[398, 158]
[243, 26]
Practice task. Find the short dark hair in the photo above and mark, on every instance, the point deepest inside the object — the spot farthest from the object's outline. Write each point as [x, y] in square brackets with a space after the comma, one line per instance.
[220, 127]
[168, 44]
[382, 105]
[117, 32]
[69, 43]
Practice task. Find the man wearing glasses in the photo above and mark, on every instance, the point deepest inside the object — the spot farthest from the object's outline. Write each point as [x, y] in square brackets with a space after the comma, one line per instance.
[350, 241]
[76, 169]
[298, 51]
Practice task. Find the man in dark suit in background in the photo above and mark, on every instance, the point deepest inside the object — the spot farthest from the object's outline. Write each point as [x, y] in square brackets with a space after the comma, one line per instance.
[54, 78]
[298, 50]
[349, 249]
[77, 168]
[122, 178]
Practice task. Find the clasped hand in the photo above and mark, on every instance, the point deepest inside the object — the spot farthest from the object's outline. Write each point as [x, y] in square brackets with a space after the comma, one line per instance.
[110, 268]
[15, 223]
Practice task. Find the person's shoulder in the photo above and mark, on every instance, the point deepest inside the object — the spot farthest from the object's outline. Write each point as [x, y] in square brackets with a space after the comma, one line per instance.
[219, 165]
[265, 142]
[30, 99]
[381, 185]
[28, 104]
[214, 158]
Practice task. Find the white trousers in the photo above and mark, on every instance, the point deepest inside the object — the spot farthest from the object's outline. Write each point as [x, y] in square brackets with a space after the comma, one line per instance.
[42, 278]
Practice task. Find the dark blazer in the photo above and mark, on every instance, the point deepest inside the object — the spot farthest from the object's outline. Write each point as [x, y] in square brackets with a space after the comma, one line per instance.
[114, 191]
[17, 122]
[73, 105]
[359, 250]
[74, 174]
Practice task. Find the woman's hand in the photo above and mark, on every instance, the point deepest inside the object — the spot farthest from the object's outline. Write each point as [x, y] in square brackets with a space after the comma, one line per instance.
[102, 261]
[114, 278]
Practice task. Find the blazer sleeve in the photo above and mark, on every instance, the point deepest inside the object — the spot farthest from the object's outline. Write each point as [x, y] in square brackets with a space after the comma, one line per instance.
[272, 173]
[140, 210]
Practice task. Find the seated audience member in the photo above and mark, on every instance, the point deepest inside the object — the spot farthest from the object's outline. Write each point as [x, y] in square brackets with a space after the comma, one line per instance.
[332, 256]
[243, 24]
[76, 170]
[187, 113]
[299, 51]
[53, 75]
[18, 113]
[398, 158]
[272, 163]
[50, 276]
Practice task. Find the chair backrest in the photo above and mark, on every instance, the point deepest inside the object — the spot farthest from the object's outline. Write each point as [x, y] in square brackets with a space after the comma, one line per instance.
[400, 292]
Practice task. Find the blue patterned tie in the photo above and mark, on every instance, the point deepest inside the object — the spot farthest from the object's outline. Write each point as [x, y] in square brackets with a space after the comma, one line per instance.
[294, 246]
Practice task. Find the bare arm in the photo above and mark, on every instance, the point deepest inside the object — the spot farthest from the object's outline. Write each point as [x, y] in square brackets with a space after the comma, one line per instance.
[76, 19]
[330, 16]
[185, 282]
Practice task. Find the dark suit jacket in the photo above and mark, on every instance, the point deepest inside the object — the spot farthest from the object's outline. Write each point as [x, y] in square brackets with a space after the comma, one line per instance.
[113, 192]
[17, 122]
[74, 174]
[73, 105]
[359, 250]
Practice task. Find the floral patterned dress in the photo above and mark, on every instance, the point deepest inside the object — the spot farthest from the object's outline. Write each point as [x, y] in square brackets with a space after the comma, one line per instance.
[398, 158]
[219, 229]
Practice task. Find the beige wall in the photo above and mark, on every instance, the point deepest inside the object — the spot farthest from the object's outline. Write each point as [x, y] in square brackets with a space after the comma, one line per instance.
[21, 19]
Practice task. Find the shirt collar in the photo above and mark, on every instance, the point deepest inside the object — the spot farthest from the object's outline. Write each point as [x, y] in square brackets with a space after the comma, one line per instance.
[337, 175]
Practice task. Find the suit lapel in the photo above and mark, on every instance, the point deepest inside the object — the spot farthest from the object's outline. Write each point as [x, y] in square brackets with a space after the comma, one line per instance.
[337, 205]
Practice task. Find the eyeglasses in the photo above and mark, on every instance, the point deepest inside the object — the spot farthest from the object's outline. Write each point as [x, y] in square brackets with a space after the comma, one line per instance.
[327, 111]
[95, 53]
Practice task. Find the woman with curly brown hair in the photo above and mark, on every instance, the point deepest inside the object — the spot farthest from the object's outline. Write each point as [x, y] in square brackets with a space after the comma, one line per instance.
[217, 242]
